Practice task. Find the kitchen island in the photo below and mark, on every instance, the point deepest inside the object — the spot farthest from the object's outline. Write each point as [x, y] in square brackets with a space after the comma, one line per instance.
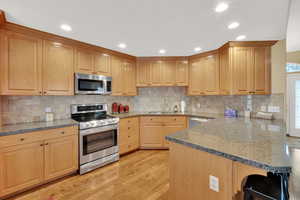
[224, 152]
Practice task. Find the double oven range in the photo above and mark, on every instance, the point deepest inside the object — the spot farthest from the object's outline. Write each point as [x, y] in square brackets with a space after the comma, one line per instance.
[98, 136]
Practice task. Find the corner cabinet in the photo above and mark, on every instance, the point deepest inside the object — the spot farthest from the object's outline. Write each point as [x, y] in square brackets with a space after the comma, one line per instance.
[124, 77]
[153, 72]
[204, 75]
[35, 158]
[21, 64]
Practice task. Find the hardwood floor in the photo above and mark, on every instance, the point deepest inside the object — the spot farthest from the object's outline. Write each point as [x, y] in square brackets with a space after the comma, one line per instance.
[142, 175]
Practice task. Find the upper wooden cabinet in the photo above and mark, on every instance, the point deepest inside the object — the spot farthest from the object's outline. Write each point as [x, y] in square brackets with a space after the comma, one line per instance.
[123, 77]
[143, 75]
[162, 72]
[84, 61]
[92, 62]
[204, 75]
[21, 64]
[58, 69]
[182, 77]
[102, 64]
[245, 69]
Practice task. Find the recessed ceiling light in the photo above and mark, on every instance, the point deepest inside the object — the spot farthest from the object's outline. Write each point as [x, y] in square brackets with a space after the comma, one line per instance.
[241, 37]
[162, 51]
[66, 27]
[233, 25]
[197, 49]
[221, 7]
[122, 45]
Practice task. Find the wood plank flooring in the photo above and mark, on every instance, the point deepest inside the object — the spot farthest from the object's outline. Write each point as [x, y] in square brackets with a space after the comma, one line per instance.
[142, 175]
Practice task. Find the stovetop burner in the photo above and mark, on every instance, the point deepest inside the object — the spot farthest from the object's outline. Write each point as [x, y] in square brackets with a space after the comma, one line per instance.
[92, 115]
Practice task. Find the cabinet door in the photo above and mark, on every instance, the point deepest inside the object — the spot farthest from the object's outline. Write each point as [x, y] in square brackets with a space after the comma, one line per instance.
[21, 166]
[156, 73]
[197, 77]
[151, 135]
[143, 73]
[84, 61]
[243, 70]
[21, 62]
[102, 64]
[61, 156]
[171, 128]
[130, 75]
[168, 73]
[58, 69]
[212, 74]
[262, 70]
[182, 68]
[117, 77]
[225, 77]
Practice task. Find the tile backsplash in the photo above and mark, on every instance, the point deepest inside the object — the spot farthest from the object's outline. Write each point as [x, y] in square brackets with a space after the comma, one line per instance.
[19, 109]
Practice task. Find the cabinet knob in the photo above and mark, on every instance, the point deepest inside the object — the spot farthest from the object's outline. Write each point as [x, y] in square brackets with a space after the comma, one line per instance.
[41, 145]
[40, 92]
[46, 143]
[62, 132]
[128, 128]
[22, 139]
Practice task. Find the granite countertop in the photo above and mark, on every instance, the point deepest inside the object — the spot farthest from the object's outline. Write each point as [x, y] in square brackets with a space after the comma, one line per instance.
[34, 126]
[154, 113]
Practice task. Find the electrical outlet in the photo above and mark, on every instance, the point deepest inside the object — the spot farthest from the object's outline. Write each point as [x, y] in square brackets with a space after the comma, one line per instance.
[273, 109]
[263, 108]
[198, 105]
[48, 109]
[213, 183]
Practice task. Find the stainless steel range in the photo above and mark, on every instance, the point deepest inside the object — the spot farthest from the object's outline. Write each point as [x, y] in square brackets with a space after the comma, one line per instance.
[99, 135]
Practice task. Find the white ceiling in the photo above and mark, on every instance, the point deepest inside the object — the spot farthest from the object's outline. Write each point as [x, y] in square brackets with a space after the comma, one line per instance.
[149, 25]
[293, 29]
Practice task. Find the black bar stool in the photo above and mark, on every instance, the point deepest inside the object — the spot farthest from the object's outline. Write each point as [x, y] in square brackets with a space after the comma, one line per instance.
[270, 187]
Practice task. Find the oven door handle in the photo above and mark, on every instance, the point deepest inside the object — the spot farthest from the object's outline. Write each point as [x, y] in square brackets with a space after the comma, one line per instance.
[98, 129]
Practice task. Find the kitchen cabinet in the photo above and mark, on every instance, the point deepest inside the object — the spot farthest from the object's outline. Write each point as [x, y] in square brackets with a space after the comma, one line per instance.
[245, 69]
[168, 72]
[124, 77]
[143, 75]
[204, 75]
[21, 64]
[182, 68]
[61, 156]
[34, 158]
[129, 134]
[162, 72]
[58, 69]
[102, 63]
[21, 167]
[155, 128]
[197, 77]
[84, 61]
[212, 74]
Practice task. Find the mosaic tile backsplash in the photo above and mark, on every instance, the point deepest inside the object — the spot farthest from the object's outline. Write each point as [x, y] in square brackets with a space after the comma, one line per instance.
[20, 109]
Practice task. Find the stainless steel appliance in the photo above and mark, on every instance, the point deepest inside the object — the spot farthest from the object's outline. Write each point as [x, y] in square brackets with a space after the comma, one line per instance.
[98, 136]
[92, 84]
[195, 121]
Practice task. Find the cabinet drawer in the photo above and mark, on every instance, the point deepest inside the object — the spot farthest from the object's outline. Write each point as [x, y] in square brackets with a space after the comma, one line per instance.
[152, 119]
[30, 137]
[175, 119]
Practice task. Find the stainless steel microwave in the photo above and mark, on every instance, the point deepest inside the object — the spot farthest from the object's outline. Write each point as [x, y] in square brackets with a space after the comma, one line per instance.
[92, 84]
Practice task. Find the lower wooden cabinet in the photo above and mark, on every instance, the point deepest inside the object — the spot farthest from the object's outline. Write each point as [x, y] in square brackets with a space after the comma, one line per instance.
[31, 159]
[129, 136]
[153, 130]
[61, 156]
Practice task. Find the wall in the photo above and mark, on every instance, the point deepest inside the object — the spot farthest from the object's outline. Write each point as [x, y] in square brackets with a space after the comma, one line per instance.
[293, 57]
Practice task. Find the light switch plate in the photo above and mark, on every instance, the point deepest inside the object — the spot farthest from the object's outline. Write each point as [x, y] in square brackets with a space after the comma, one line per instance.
[263, 108]
[213, 183]
[48, 109]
